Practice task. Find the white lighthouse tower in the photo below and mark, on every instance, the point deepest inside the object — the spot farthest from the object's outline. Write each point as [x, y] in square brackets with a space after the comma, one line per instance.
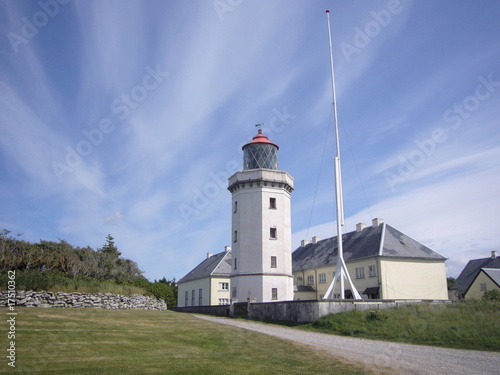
[261, 226]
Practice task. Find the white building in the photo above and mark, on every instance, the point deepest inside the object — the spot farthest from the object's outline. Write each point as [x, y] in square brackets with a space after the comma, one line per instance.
[208, 283]
[261, 226]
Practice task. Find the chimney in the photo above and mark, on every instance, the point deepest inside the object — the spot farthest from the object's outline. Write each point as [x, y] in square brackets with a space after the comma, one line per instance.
[377, 221]
[209, 255]
[360, 227]
[303, 243]
[315, 239]
[493, 254]
[227, 249]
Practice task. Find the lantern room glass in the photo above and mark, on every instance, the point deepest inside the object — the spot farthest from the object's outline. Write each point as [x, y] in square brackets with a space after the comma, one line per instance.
[260, 155]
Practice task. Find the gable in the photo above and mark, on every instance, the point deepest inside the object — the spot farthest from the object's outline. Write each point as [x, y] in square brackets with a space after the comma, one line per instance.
[493, 274]
[398, 244]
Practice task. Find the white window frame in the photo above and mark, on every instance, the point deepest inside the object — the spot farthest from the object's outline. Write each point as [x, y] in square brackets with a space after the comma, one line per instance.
[223, 286]
[372, 270]
[360, 272]
[310, 280]
[322, 278]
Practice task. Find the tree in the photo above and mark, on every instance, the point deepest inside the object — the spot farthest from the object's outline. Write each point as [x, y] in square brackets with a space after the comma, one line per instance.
[110, 248]
[451, 282]
[492, 295]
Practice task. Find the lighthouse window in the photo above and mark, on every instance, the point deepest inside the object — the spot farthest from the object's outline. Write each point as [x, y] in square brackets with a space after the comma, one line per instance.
[273, 262]
[274, 292]
[272, 233]
[235, 207]
[272, 203]
[235, 236]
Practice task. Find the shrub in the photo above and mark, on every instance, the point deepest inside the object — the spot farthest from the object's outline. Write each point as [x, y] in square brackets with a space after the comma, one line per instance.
[492, 295]
[376, 316]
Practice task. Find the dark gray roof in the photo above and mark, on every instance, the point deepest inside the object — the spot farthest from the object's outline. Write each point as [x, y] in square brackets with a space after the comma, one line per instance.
[359, 245]
[471, 270]
[216, 265]
[493, 274]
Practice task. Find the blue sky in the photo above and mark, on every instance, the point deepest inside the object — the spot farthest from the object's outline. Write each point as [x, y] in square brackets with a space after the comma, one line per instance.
[127, 117]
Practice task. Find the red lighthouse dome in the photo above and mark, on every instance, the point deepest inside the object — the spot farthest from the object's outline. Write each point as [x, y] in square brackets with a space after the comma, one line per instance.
[260, 153]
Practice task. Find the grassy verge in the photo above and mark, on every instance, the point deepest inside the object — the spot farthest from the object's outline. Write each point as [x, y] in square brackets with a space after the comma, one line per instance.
[94, 341]
[471, 325]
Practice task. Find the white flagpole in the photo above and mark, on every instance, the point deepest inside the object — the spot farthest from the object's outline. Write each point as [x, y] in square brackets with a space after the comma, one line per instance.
[341, 270]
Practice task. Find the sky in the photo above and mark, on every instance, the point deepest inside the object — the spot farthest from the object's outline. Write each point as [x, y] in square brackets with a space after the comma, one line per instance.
[127, 117]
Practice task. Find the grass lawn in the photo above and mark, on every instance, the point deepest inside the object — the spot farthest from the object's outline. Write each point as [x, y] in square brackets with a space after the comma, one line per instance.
[471, 325]
[95, 341]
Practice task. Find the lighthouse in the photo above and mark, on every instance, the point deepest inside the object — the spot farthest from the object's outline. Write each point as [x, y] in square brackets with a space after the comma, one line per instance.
[261, 226]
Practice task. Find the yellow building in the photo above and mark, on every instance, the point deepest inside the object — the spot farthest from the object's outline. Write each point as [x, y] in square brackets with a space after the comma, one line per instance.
[478, 276]
[383, 263]
[208, 283]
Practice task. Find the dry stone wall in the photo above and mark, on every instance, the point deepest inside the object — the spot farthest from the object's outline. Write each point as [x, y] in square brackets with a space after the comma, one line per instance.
[72, 300]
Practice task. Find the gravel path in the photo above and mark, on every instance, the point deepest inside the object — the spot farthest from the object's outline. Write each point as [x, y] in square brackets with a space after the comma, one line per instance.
[381, 355]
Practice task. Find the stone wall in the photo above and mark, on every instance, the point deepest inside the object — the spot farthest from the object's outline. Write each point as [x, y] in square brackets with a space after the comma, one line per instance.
[72, 300]
[309, 311]
[220, 310]
[298, 311]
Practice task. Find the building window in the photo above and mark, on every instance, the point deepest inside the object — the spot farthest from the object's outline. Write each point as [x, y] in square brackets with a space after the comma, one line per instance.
[234, 292]
[272, 233]
[186, 298]
[274, 292]
[371, 270]
[235, 236]
[235, 263]
[200, 297]
[272, 203]
[360, 273]
[235, 206]
[322, 278]
[300, 280]
[273, 262]
[310, 280]
[223, 287]
[192, 297]
[223, 301]
[483, 287]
